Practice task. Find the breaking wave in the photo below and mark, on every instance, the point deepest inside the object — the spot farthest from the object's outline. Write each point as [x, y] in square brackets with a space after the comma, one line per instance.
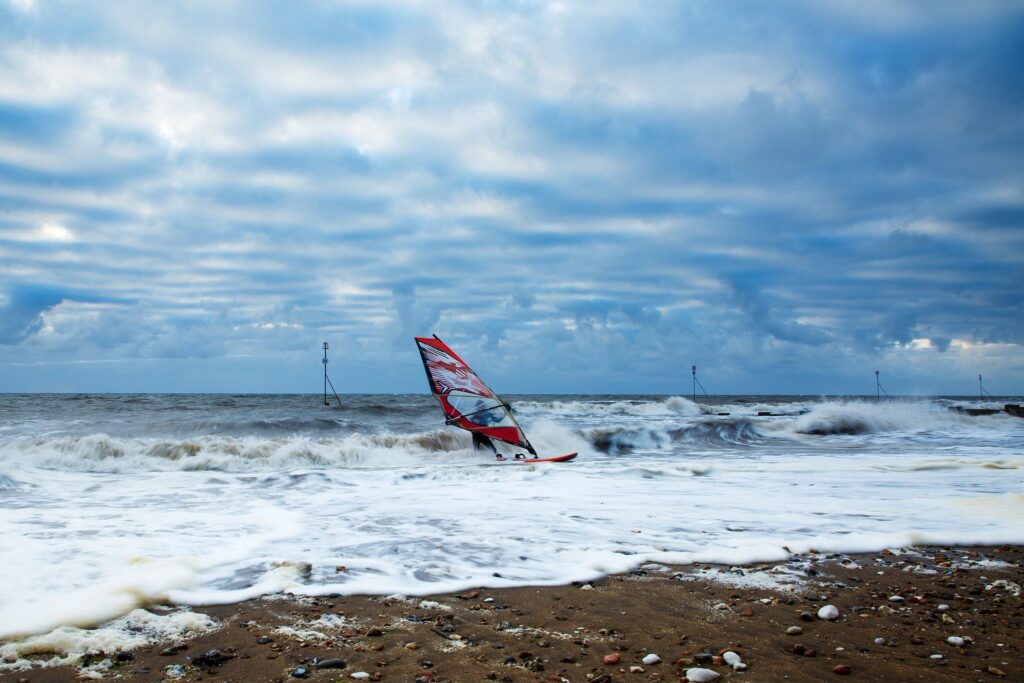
[671, 406]
[854, 417]
[105, 453]
[619, 440]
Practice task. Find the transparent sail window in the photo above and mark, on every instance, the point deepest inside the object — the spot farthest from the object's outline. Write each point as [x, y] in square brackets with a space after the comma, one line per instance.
[480, 410]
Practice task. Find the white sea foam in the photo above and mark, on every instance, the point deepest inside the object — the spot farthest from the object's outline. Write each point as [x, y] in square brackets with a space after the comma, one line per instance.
[105, 453]
[67, 644]
[97, 525]
[673, 406]
[860, 417]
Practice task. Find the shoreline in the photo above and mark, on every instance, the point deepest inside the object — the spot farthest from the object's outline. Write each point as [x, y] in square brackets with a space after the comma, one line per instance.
[891, 625]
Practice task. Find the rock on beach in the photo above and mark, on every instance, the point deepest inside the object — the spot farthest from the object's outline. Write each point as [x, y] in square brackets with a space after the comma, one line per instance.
[828, 613]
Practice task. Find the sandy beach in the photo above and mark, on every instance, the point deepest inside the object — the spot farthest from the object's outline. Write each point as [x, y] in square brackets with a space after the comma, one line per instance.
[912, 614]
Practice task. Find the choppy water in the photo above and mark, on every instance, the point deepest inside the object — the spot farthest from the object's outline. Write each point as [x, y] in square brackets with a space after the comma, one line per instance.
[108, 502]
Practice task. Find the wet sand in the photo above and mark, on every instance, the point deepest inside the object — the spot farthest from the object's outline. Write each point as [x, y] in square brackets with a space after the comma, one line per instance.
[896, 611]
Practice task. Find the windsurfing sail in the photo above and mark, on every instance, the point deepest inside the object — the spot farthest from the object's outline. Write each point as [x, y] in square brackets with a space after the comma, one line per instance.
[466, 401]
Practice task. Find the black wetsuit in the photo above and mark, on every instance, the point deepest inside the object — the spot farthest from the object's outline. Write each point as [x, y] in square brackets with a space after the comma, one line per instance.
[481, 442]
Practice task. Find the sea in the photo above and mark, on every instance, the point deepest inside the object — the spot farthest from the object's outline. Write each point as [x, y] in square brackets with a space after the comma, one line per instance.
[120, 512]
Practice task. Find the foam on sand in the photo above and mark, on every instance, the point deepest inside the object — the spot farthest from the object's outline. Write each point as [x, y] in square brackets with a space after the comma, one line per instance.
[69, 644]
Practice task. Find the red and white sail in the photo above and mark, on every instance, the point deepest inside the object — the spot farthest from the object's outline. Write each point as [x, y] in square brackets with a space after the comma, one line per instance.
[465, 399]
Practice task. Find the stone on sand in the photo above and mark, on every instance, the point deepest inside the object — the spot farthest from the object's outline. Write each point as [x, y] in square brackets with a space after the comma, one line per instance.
[698, 675]
[828, 612]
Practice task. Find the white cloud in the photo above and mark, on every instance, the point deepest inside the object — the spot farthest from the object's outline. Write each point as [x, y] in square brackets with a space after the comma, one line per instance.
[55, 232]
[23, 5]
[374, 167]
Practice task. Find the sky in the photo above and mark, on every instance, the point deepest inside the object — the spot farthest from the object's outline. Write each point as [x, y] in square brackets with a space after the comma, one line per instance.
[578, 197]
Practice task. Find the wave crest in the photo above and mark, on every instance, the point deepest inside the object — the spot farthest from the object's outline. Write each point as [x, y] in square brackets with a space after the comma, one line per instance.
[671, 406]
[856, 417]
[619, 440]
[105, 453]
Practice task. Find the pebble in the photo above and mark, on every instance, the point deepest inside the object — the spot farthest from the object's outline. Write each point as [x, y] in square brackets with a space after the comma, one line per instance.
[731, 658]
[412, 646]
[936, 656]
[300, 672]
[828, 612]
[806, 616]
[794, 630]
[897, 598]
[612, 659]
[333, 663]
[697, 675]
[879, 641]
[586, 587]
[360, 675]
[956, 641]
[722, 606]
[651, 659]
[943, 607]
[636, 669]
[841, 669]
[488, 599]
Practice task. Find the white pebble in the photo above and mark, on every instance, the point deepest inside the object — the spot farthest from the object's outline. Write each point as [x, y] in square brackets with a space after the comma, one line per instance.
[488, 599]
[360, 675]
[721, 605]
[794, 630]
[698, 675]
[936, 656]
[586, 587]
[879, 641]
[943, 608]
[740, 666]
[651, 659]
[956, 641]
[828, 613]
[897, 598]
[731, 658]
[636, 669]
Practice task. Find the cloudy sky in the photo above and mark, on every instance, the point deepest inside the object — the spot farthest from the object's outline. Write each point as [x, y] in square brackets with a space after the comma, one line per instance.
[578, 196]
